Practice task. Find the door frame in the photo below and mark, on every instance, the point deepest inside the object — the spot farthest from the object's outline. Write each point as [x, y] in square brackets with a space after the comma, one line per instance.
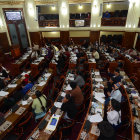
[16, 25]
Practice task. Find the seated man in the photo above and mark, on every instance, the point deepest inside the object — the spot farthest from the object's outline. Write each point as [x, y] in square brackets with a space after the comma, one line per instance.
[96, 55]
[114, 113]
[69, 107]
[4, 73]
[116, 76]
[115, 93]
[39, 103]
[76, 93]
[79, 80]
[27, 87]
[2, 84]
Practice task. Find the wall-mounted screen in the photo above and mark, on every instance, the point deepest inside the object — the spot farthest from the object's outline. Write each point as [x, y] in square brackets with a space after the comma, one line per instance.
[13, 15]
[79, 23]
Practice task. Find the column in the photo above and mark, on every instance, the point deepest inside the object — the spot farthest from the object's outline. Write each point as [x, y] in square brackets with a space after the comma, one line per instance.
[96, 14]
[63, 14]
[32, 22]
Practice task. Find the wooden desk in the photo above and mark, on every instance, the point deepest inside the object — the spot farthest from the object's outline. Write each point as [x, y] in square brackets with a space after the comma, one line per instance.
[14, 118]
[43, 135]
[91, 136]
[20, 63]
[12, 90]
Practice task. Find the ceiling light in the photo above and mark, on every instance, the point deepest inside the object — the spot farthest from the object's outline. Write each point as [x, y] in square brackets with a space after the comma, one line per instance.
[53, 8]
[80, 7]
[108, 6]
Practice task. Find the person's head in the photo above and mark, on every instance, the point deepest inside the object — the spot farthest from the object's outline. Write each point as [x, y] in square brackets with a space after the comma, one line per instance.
[67, 98]
[115, 105]
[38, 94]
[106, 130]
[117, 72]
[30, 80]
[94, 50]
[73, 85]
[117, 86]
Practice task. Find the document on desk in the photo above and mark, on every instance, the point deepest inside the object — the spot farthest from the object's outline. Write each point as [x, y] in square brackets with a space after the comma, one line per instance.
[99, 94]
[12, 85]
[101, 100]
[96, 118]
[58, 104]
[42, 84]
[3, 93]
[98, 79]
[97, 73]
[47, 74]
[24, 102]
[63, 94]
[68, 87]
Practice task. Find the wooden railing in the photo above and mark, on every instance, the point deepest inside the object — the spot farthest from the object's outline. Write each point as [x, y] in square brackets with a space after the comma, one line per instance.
[49, 23]
[114, 21]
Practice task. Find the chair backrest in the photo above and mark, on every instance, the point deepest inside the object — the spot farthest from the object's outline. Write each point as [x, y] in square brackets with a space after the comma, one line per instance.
[27, 120]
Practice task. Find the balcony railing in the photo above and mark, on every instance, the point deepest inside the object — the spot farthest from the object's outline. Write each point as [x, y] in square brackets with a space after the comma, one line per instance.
[49, 23]
[114, 21]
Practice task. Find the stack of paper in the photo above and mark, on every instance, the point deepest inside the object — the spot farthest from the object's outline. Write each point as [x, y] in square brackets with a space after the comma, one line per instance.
[24, 102]
[42, 84]
[97, 73]
[58, 104]
[3, 93]
[63, 94]
[98, 79]
[68, 87]
[47, 74]
[96, 118]
[101, 100]
[12, 85]
[99, 94]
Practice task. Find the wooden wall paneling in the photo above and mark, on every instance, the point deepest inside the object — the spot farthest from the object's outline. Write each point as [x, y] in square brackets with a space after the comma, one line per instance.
[94, 36]
[138, 43]
[128, 40]
[36, 38]
[64, 37]
[4, 44]
[80, 40]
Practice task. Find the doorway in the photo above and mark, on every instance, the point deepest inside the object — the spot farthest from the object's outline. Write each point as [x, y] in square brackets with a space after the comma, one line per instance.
[16, 27]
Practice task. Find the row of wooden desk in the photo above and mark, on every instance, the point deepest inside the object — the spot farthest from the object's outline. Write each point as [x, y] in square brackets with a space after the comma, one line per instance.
[12, 118]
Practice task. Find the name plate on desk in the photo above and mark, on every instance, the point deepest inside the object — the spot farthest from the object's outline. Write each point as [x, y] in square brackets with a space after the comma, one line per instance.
[20, 110]
[5, 126]
[36, 134]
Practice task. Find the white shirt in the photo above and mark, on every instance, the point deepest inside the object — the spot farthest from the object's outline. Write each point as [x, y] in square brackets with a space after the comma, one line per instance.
[113, 117]
[116, 94]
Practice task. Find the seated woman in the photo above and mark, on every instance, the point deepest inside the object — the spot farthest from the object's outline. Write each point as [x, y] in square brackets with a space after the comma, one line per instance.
[69, 107]
[114, 113]
[39, 103]
[26, 79]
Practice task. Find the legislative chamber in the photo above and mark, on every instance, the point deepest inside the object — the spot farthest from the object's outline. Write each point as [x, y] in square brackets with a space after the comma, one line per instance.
[69, 69]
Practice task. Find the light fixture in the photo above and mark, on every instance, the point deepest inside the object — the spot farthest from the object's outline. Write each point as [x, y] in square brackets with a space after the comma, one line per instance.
[94, 25]
[53, 8]
[108, 6]
[64, 9]
[134, 26]
[80, 7]
[129, 26]
[30, 9]
[1, 24]
[98, 25]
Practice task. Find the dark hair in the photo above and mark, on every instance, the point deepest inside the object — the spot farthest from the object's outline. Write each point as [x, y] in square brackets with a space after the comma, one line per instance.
[117, 70]
[116, 105]
[68, 96]
[73, 85]
[31, 79]
[38, 94]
